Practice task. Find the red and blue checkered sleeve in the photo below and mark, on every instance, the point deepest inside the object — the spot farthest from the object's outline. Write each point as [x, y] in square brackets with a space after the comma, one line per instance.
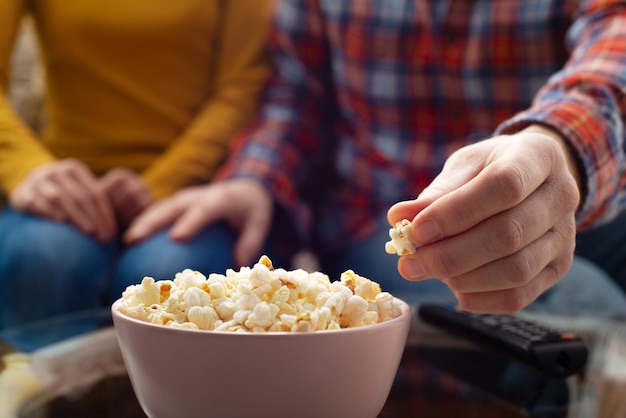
[586, 103]
[280, 147]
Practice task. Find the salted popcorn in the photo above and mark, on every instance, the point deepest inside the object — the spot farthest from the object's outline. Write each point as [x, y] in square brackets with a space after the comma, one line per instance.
[260, 299]
[401, 242]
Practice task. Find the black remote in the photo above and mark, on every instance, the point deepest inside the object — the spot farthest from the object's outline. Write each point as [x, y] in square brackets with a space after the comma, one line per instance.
[554, 353]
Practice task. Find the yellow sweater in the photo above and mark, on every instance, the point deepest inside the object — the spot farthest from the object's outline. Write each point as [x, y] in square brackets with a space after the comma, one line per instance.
[156, 86]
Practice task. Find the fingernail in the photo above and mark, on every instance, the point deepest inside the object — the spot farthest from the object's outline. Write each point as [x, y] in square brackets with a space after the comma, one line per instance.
[413, 269]
[426, 232]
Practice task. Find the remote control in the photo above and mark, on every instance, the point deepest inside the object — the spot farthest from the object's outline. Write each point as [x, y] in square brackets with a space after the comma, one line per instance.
[554, 353]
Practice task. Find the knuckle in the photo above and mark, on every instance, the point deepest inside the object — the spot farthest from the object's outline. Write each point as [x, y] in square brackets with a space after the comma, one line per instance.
[25, 201]
[71, 162]
[571, 195]
[120, 172]
[54, 175]
[68, 166]
[40, 172]
[568, 229]
[463, 214]
[566, 196]
[564, 236]
[86, 200]
[446, 265]
[54, 196]
[83, 201]
[513, 301]
[458, 285]
[512, 182]
[65, 168]
[508, 238]
[559, 266]
[521, 269]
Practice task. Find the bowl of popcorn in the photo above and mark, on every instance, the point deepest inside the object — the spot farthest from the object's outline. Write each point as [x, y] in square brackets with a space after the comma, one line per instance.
[261, 342]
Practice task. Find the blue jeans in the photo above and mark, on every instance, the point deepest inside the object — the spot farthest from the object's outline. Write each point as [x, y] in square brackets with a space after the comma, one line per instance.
[605, 246]
[49, 268]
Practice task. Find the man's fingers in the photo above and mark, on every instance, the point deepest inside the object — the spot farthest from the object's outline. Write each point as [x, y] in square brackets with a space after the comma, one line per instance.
[182, 211]
[495, 189]
[517, 269]
[193, 221]
[499, 236]
[509, 301]
[405, 210]
[511, 173]
[453, 176]
[245, 205]
[153, 219]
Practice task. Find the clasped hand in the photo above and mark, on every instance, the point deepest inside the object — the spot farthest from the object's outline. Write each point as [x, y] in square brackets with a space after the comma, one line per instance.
[67, 191]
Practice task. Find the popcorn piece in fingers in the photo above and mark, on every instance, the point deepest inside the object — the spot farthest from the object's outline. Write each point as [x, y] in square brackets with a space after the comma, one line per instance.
[401, 242]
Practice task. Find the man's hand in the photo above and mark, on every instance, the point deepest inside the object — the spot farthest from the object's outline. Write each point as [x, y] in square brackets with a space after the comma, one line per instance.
[66, 191]
[127, 192]
[244, 204]
[498, 223]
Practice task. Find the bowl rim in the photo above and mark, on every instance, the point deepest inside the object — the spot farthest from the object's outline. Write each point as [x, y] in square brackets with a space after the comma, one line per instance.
[404, 316]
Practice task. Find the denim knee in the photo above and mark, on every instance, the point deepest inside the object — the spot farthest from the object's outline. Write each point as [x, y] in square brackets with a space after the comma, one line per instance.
[161, 258]
[585, 290]
[47, 268]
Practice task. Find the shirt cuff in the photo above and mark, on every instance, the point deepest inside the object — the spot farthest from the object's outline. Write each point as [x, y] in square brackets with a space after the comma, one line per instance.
[595, 142]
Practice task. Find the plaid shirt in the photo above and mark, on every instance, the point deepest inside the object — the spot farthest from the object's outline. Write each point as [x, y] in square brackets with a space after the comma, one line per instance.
[370, 97]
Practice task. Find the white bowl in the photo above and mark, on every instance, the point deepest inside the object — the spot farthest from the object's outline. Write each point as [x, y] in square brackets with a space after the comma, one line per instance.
[324, 374]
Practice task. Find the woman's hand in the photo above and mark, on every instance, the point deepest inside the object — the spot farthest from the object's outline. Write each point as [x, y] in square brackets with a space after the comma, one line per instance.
[244, 204]
[127, 193]
[67, 191]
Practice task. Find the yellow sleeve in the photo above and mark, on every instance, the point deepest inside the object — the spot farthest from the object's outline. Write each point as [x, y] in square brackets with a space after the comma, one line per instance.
[241, 69]
[20, 150]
